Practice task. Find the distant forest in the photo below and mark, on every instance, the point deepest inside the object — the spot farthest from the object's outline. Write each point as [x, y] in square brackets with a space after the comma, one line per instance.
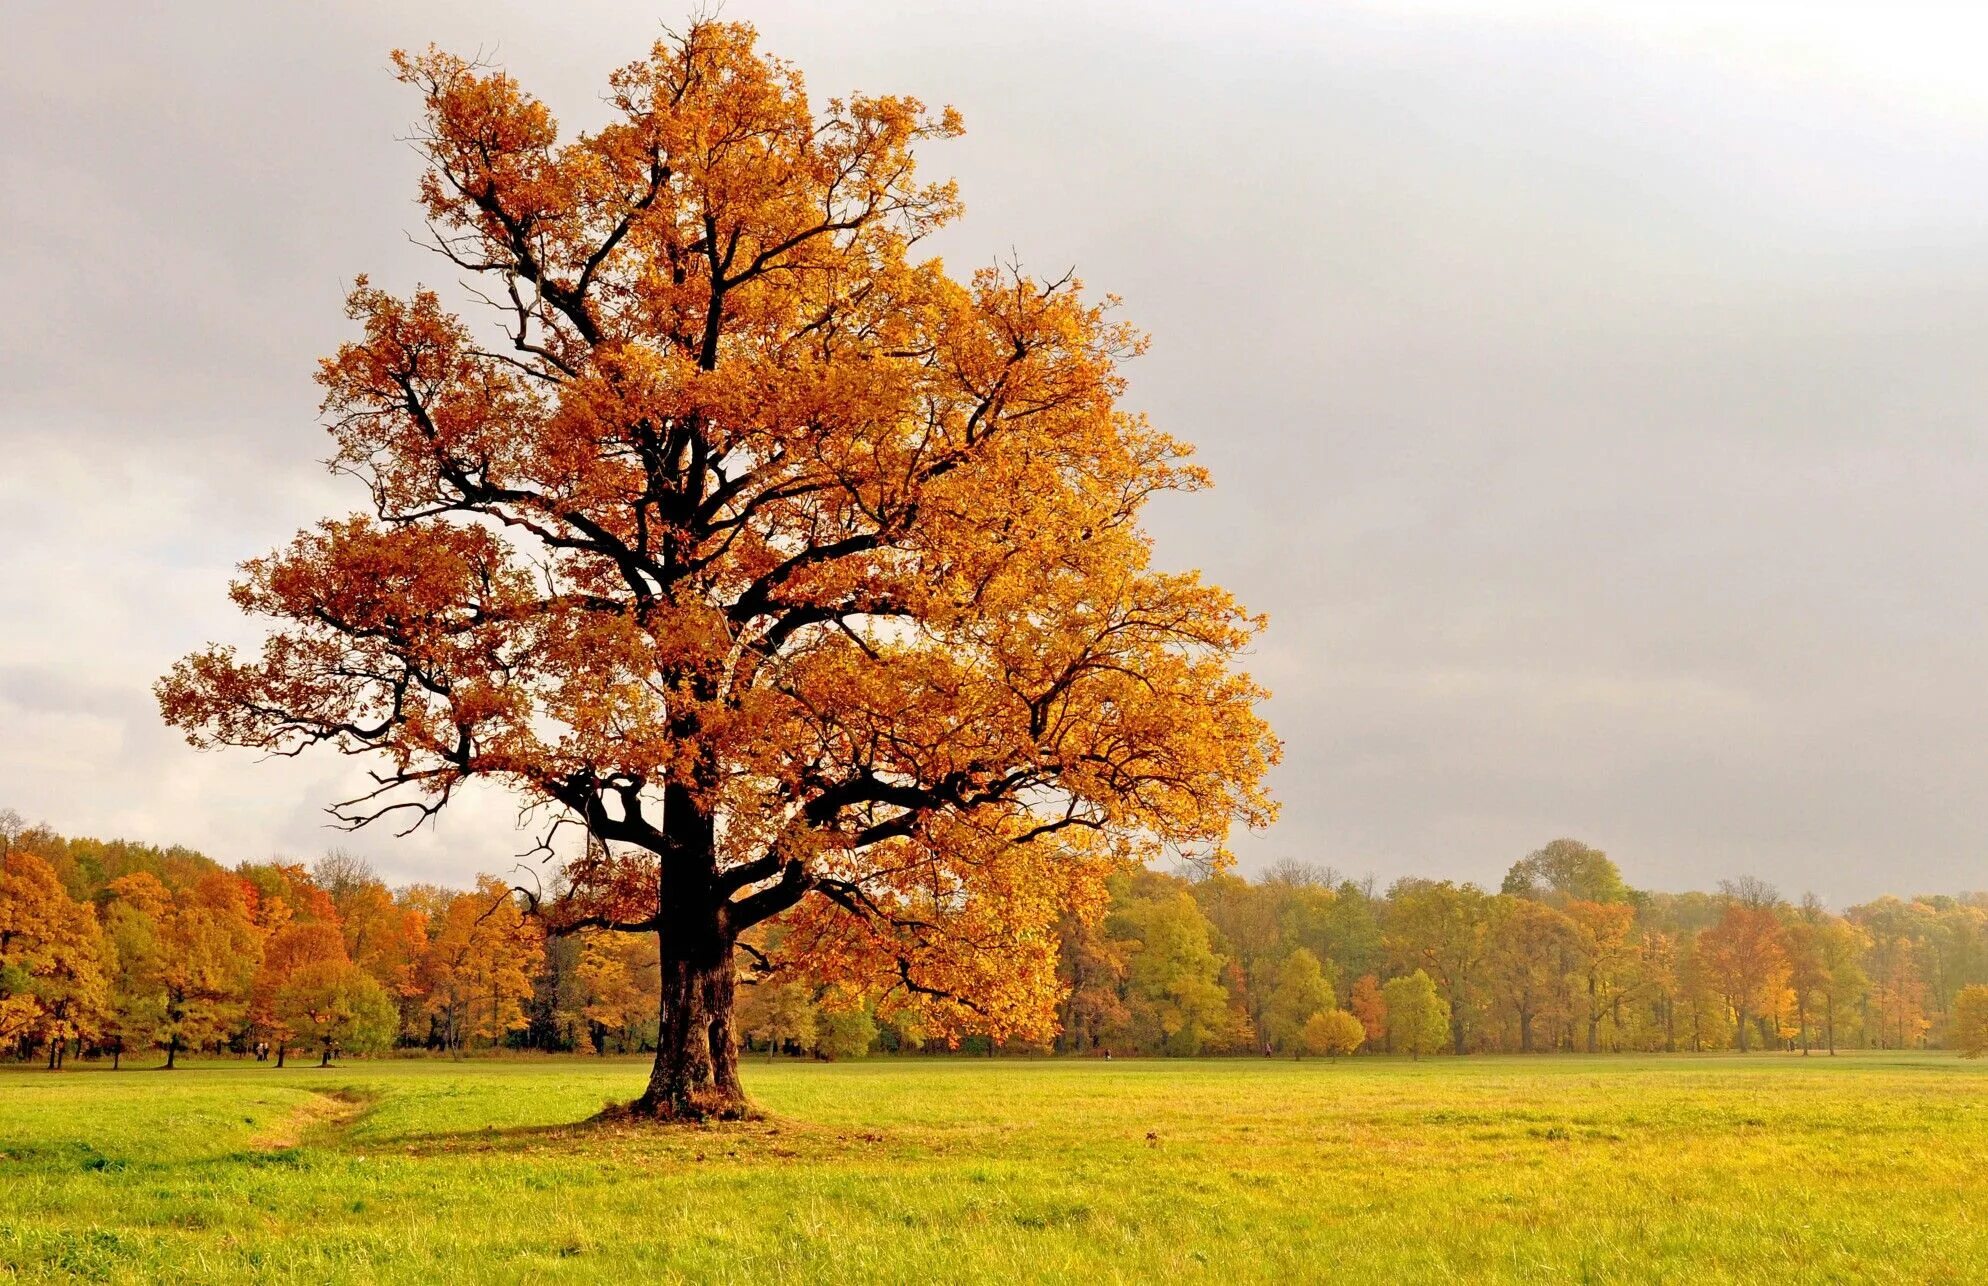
[110, 949]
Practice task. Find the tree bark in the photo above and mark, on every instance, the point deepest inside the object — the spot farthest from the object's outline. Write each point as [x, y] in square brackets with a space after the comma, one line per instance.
[280, 1051]
[172, 1052]
[696, 1073]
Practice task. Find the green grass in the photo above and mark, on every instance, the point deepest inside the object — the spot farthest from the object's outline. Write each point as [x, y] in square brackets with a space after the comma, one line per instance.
[1779, 1168]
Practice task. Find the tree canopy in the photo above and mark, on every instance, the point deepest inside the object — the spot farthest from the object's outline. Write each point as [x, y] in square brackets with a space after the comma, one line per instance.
[806, 577]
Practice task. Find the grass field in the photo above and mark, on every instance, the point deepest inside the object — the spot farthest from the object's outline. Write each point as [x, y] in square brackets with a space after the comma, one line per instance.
[1864, 1167]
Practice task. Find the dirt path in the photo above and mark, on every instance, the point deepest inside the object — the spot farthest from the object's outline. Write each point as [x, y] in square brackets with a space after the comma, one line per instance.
[325, 1112]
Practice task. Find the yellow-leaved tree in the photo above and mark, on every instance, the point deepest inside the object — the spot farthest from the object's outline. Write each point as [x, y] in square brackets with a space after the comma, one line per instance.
[478, 970]
[1970, 1021]
[53, 987]
[808, 577]
[1332, 1032]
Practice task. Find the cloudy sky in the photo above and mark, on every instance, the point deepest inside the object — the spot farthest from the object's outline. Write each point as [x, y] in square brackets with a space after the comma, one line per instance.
[1595, 392]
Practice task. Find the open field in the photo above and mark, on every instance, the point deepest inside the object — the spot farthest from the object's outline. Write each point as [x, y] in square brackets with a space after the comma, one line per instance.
[1867, 1167]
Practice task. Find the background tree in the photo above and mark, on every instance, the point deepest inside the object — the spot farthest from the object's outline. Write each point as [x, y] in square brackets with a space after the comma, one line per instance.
[1706, 1015]
[336, 1005]
[614, 987]
[1303, 990]
[1563, 870]
[52, 979]
[1604, 957]
[383, 937]
[810, 579]
[1657, 963]
[1441, 929]
[780, 1013]
[843, 1027]
[31, 898]
[1418, 1019]
[1971, 1021]
[1809, 981]
[1530, 949]
[480, 964]
[1091, 968]
[1898, 992]
[1367, 1005]
[1332, 1032]
[1744, 954]
[203, 950]
[1172, 976]
[287, 950]
[1841, 945]
[137, 994]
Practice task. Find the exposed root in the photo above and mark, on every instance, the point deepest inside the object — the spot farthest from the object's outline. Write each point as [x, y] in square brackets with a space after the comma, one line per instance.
[698, 1109]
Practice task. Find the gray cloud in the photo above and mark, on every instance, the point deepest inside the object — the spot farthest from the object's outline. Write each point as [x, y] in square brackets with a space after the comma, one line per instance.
[1594, 400]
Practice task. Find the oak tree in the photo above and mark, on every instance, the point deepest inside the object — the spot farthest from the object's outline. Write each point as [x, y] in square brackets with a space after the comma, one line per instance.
[807, 577]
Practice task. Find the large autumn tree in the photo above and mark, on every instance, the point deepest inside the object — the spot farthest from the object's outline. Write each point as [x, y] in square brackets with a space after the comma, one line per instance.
[807, 577]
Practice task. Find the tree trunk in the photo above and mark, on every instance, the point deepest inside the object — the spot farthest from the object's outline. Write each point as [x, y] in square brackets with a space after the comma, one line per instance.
[326, 1060]
[172, 1053]
[1742, 1031]
[281, 1049]
[116, 1055]
[696, 1073]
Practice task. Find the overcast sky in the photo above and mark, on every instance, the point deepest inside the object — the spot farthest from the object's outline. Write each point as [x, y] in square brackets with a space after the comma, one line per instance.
[1595, 393]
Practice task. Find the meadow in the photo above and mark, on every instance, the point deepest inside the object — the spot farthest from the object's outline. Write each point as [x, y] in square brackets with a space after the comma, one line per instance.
[1861, 1167]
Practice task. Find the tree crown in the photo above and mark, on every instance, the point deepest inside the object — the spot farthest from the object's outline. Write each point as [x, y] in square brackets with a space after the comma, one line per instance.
[799, 572]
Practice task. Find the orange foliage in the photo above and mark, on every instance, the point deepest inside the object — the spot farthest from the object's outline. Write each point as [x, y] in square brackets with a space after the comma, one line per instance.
[808, 576]
[1745, 954]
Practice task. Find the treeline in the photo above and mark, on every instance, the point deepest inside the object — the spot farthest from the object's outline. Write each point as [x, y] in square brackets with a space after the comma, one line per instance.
[109, 949]
[115, 948]
[1564, 956]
